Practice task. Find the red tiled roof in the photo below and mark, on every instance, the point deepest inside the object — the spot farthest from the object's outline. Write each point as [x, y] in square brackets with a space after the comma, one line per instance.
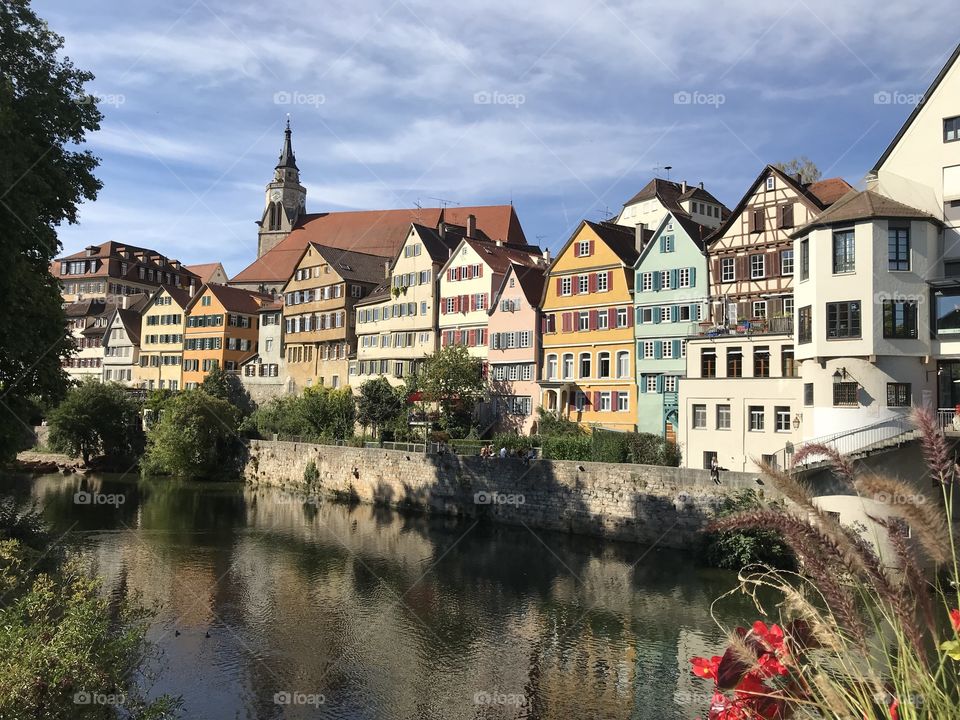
[234, 299]
[830, 190]
[376, 232]
[205, 271]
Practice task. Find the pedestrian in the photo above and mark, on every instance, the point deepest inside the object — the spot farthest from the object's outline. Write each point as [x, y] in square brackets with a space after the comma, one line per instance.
[530, 456]
[503, 452]
[715, 471]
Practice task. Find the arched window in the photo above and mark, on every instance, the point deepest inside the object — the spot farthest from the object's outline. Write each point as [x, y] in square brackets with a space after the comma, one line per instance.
[584, 365]
[623, 364]
[568, 366]
[603, 365]
[273, 221]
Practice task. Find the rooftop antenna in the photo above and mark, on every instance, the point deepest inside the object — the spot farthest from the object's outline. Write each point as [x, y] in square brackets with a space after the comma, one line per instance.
[668, 168]
[417, 204]
[444, 202]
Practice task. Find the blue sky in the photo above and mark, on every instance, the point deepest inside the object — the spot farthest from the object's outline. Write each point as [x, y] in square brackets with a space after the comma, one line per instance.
[566, 107]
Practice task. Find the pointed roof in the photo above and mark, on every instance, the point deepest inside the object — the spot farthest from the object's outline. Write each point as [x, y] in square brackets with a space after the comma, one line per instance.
[287, 158]
[918, 108]
[620, 239]
[233, 299]
[180, 296]
[500, 257]
[828, 189]
[131, 323]
[694, 230]
[205, 271]
[532, 279]
[351, 265]
[671, 194]
[863, 205]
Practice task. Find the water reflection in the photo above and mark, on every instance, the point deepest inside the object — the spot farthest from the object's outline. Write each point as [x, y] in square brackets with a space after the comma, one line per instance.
[383, 615]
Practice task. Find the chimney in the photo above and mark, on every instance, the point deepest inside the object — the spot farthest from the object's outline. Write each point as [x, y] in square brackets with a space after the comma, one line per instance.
[386, 268]
[499, 243]
[546, 256]
[641, 231]
[799, 178]
[442, 229]
[91, 250]
[701, 184]
[471, 226]
[683, 186]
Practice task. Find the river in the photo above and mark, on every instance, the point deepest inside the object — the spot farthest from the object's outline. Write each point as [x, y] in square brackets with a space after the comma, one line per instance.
[272, 607]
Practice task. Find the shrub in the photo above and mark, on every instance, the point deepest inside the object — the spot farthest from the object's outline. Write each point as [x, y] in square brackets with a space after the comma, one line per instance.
[735, 549]
[609, 447]
[650, 449]
[512, 442]
[97, 419]
[310, 473]
[567, 447]
[550, 424]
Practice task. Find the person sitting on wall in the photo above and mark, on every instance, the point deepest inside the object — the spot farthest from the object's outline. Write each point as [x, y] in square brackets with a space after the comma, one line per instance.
[530, 456]
[503, 453]
[715, 471]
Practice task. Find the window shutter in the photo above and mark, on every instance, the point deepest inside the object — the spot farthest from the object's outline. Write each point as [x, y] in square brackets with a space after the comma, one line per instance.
[786, 215]
[465, 303]
[592, 282]
[611, 317]
[659, 383]
[656, 314]
[743, 310]
[772, 264]
[609, 280]
[663, 243]
[575, 285]
[593, 319]
[674, 278]
[630, 316]
[596, 396]
[751, 221]
[473, 302]
[694, 312]
[674, 313]
[716, 271]
[642, 382]
[590, 251]
[567, 322]
[471, 337]
[693, 277]
[657, 349]
[495, 341]
[614, 400]
[676, 348]
[443, 340]
[656, 281]
[742, 267]
[559, 285]
[479, 271]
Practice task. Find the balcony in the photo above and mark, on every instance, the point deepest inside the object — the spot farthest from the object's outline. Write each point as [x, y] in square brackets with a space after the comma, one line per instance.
[769, 326]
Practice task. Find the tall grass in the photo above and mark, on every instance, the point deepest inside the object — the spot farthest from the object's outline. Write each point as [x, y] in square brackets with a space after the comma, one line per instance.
[849, 636]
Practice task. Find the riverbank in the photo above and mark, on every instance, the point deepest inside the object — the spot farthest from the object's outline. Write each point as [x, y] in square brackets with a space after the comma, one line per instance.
[40, 463]
[645, 504]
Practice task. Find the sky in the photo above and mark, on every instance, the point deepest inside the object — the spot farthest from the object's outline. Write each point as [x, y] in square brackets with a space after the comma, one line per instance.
[564, 107]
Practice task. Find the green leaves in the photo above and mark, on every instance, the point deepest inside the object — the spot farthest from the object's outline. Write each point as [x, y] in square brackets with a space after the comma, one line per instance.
[97, 419]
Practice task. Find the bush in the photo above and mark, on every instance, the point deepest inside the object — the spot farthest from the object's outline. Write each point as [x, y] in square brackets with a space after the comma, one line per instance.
[550, 424]
[226, 386]
[650, 449]
[513, 442]
[735, 549]
[97, 419]
[609, 447]
[195, 438]
[567, 447]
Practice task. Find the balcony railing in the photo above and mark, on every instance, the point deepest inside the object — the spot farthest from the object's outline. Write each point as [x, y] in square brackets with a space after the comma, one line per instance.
[768, 326]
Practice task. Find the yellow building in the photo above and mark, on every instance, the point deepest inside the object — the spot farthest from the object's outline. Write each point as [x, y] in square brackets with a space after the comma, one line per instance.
[221, 330]
[161, 340]
[588, 367]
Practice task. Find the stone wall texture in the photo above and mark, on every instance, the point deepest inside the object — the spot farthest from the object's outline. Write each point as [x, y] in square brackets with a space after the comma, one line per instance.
[638, 503]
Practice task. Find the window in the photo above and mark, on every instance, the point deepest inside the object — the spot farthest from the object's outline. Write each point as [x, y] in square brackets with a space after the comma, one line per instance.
[788, 307]
[899, 319]
[670, 383]
[585, 365]
[568, 366]
[583, 284]
[761, 361]
[603, 320]
[565, 286]
[683, 276]
[845, 394]
[727, 273]
[667, 244]
[723, 417]
[898, 247]
[583, 321]
[804, 259]
[605, 399]
[757, 267]
[665, 280]
[205, 301]
[551, 367]
[771, 182]
[623, 401]
[805, 325]
[808, 394]
[603, 365]
[699, 416]
[843, 320]
[646, 282]
[898, 394]
[650, 382]
[583, 248]
[785, 215]
[844, 252]
[734, 362]
[666, 349]
[951, 129]
[708, 363]
[788, 363]
[623, 364]
[760, 309]
[665, 314]
[648, 348]
[756, 219]
[602, 285]
[756, 418]
[781, 417]
[786, 262]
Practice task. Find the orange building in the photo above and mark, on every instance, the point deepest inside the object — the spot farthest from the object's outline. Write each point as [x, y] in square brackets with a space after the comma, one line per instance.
[221, 330]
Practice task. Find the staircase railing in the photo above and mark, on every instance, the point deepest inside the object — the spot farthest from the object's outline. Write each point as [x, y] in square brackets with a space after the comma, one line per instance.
[849, 441]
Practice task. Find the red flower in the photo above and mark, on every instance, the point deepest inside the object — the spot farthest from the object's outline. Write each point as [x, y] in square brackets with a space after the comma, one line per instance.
[955, 619]
[770, 666]
[894, 712]
[772, 637]
[704, 668]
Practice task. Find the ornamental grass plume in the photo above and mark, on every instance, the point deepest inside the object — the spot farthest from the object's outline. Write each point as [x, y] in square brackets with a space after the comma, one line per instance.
[850, 636]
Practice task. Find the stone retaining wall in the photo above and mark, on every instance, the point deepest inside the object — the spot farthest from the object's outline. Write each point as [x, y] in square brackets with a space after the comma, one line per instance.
[638, 503]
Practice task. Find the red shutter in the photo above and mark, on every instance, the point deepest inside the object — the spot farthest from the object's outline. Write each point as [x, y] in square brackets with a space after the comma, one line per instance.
[596, 400]
[483, 336]
[544, 325]
[450, 274]
[609, 279]
[611, 317]
[559, 285]
[592, 283]
[456, 304]
[473, 302]
[593, 319]
[575, 285]
[464, 303]
[716, 271]
[614, 399]
[590, 252]
[630, 316]
[471, 338]
[567, 322]
[443, 306]
[751, 221]
[479, 270]
[443, 339]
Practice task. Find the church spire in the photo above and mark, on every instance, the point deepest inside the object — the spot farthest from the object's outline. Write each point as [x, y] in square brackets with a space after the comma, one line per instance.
[287, 158]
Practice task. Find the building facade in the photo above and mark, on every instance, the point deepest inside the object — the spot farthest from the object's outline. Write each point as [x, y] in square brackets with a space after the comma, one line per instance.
[588, 369]
[264, 375]
[160, 363]
[121, 346]
[318, 312]
[514, 348]
[671, 291]
[659, 197]
[221, 331]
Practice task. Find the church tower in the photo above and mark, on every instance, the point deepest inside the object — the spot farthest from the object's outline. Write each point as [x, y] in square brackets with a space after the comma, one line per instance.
[285, 199]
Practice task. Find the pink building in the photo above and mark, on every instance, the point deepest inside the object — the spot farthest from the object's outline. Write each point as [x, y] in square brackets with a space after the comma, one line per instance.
[514, 354]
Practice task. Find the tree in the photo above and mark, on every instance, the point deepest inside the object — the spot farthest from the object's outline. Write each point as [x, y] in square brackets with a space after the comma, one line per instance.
[195, 437]
[227, 386]
[328, 412]
[800, 165]
[97, 419]
[45, 115]
[379, 404]
[454, 380]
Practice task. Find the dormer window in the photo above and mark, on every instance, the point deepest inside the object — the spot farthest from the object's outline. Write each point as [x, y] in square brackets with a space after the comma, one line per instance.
[771, 183]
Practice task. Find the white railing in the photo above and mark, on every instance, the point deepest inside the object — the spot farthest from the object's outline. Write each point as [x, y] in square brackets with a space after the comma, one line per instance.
[849, 441]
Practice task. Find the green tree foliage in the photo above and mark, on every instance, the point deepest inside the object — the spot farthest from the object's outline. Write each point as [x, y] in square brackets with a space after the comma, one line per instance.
[650, 449]
[567, 447]
[195, 437]
[379, 404]
[550, 424]
[97, 419]
[227, 386]
[282, 416]
[320, 412]
[802, 165]
[454, 380]
[45, 115]
[735, 549]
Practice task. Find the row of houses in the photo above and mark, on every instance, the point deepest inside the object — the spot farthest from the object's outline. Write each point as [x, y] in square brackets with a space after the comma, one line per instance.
[809, 310]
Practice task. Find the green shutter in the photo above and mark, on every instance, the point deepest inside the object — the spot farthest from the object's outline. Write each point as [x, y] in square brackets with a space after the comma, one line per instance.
[656, 281]
[674, 278]
[693, 277]
[657, 349]
[676, 349]
[674, 313]
[659, 383]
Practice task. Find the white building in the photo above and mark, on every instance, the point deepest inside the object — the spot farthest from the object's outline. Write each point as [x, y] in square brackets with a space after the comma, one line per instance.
[265, 374]
[121, 346]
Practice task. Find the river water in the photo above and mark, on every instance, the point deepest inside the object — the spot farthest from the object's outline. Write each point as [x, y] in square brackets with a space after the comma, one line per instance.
[270, 607]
